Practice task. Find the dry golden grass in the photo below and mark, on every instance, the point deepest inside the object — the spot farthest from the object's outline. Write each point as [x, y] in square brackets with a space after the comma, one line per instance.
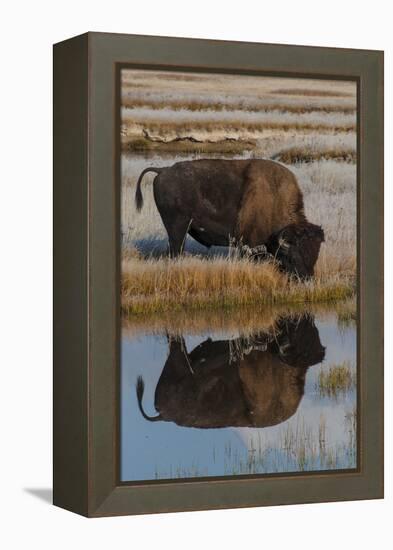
[332, 262]
[303, 154]
[178, 128]
[187, 145]
[156, 285]
[308, 92]
[210, 85]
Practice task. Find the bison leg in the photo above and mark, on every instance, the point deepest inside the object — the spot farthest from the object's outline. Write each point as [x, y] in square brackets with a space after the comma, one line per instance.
[177, 229]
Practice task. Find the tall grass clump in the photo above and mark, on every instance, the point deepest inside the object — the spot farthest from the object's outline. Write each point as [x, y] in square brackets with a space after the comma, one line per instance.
[347, 313]
[302, 154]
[336, 380]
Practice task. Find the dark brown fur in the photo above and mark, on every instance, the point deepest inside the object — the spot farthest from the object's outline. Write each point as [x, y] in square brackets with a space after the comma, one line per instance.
[296, 248]
[221, 201]
[256, 382]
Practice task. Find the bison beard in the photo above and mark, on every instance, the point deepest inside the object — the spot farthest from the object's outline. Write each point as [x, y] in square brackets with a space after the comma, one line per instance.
[247, 203]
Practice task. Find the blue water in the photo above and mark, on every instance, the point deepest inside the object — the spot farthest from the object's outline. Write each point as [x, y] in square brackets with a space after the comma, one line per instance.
[159, 450]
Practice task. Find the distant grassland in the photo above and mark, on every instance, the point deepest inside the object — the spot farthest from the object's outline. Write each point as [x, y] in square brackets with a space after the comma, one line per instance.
[222, 106]
[309, 125]
[295, 155]
[236, 119]
[170, 126]
[207, 85]
[309, 92]
[236, 105]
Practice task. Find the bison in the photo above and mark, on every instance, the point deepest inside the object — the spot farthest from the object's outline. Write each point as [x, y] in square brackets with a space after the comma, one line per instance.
[253, 382]
[239, 202]
[296, 248]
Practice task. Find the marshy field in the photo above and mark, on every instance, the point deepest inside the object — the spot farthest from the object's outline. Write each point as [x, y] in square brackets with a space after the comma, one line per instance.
[207, 296]
[308, 125]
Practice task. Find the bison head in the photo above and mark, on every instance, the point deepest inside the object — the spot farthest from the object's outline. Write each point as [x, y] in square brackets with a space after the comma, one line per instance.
[296, 248]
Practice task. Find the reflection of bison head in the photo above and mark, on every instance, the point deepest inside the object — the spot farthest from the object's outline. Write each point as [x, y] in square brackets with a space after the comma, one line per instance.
[242, 202]
[254, 382]
[296, 248]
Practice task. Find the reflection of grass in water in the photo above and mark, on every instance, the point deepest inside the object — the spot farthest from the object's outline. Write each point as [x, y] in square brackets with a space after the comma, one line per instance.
[300, 448]
[244, 321]
[336, 379]
[346, 315]
[179, 472]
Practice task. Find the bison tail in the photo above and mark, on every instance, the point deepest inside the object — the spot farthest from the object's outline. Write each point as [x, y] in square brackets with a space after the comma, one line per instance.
[138, 193]
[140, 388]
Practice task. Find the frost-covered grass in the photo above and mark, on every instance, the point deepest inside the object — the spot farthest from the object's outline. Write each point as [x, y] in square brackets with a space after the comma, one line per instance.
[329, 189]
[197, 102]
[166, 125]
[168, 107]
[220, 86]
[235, 118]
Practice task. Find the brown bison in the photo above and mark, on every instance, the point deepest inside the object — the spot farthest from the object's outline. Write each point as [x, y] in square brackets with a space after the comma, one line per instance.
[296, 248]
[241, 202]
[253, 382]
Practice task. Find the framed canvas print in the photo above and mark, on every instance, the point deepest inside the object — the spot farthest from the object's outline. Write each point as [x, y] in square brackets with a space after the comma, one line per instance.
[218, 274]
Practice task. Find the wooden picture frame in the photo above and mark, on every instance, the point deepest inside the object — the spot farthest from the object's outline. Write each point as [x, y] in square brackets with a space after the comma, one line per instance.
[87, 274]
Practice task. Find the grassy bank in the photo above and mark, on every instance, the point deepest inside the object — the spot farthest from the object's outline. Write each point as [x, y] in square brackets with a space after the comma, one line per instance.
[157, 285]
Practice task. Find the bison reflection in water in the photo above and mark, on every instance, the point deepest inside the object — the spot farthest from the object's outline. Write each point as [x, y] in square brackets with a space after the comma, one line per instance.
[253, 382]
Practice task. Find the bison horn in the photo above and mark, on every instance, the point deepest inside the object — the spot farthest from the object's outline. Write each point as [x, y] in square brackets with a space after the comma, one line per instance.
[282, 243]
